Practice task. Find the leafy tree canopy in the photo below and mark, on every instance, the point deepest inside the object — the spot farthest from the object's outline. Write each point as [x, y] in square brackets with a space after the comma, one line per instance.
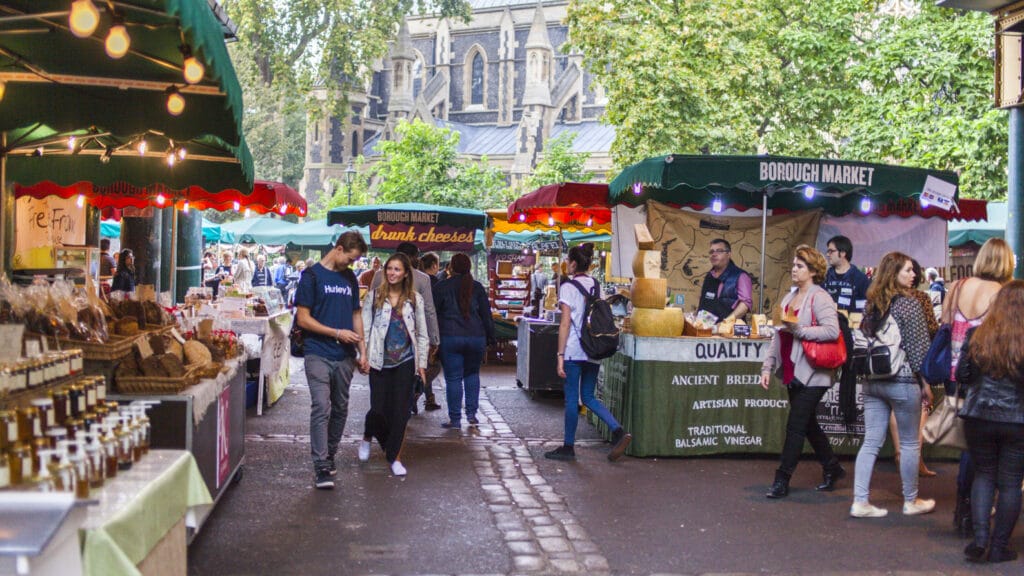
[817, 78]
[559, 164]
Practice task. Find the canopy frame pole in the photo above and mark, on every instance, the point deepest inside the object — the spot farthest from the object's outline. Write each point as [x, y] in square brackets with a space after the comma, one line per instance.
[174, 253]
[764, 231]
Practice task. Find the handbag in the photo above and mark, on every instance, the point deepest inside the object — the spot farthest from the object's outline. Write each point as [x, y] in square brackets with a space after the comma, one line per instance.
[938, 362]
[824, 355]
[944, 427]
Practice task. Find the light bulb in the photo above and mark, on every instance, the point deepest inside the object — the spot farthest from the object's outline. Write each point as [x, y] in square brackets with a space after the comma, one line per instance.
[185, 207]
[283, 209]
[590, 222]
[160, 200]
[924, 202]
[142, 147]
[84, 18]
[80, 201]
[809, 192]
[248, 212]
[522, 217]
[3, 89]
[638, 188]
[865, 205]
[71, 142]
[118, 41]
[551, 220]
[716, 205]
[171, 158]
[526, 251]
[236, 205]
[193, 70]
[181, 153]
[175, 102]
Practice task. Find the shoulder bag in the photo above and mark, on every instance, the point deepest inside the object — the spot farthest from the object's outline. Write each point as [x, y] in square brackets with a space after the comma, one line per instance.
[938, 362]
[944, 427]
[824, 355]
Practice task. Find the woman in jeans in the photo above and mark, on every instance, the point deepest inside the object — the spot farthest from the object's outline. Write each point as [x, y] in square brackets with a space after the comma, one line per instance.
[889, 295]
[397, 344]
[991, 369]
[579, 371]
[466, 328]
[816, 321]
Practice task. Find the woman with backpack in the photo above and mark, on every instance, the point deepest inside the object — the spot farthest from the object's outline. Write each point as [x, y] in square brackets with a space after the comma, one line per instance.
[579, 370]
[466, 328]
[991, 369]
[893, 313]
[809, 314]
[397, 344]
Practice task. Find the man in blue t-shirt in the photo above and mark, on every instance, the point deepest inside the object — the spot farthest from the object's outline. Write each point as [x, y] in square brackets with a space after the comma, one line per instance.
[327, 310]
[844, 281]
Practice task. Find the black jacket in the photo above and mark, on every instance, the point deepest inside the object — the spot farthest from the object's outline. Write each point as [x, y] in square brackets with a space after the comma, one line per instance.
[995, 400]
[451, 322]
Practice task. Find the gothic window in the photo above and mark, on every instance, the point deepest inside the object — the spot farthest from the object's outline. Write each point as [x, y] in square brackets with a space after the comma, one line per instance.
[477, 96]
[355, 144]
[418, 75]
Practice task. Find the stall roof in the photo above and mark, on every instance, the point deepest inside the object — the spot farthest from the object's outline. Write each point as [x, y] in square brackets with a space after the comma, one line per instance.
[962, 232]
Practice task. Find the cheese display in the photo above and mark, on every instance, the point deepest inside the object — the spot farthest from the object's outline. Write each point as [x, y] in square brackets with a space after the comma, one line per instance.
[667, 322]
[648, 293]
[647, 264]
[644, 240]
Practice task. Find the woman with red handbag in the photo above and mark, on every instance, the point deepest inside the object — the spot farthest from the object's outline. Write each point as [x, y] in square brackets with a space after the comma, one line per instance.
[804, 354]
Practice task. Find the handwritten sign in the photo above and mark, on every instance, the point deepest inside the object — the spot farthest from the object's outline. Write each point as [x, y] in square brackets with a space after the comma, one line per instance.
[275, 354]
[424, 236]
[50, 221]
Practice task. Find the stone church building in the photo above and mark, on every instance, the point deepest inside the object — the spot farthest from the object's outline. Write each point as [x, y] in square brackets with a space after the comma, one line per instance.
[503, 81]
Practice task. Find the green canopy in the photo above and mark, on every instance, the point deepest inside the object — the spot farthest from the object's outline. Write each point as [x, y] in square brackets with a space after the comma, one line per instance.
[742, 181]
[961, 232]
[543, 241]
[318, 233]
[410, 212]
[263, 230]
[211, 232]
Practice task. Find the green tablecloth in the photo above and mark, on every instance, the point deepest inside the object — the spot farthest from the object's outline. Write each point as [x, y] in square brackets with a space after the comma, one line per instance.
[505, 329]
[136, 510]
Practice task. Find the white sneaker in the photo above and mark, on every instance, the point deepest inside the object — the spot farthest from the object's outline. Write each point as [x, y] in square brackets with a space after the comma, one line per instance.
[397, 469]
[364, 450]
[918, 506]
[867, 510]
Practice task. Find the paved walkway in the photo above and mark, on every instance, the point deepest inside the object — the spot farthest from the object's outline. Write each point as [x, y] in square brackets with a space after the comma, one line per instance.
[485, 501]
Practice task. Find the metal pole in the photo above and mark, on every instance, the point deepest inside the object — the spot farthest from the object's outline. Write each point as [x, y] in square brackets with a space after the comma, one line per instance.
[1015, 188]
[764, 231]
[174, 255]
[6, 213]
[349, 193]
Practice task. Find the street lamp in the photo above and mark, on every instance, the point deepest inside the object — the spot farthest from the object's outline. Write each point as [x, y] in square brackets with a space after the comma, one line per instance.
[350, 174]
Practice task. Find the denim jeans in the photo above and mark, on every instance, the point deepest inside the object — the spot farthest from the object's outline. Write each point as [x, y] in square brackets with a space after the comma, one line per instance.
[801, 424]
[580, 381]
[997, 449]
[904, 400]
[461, 357]
[328, 390]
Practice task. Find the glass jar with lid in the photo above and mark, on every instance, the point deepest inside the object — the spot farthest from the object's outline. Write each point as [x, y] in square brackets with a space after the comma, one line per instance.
[8, 429]
[89, 385]
[20, 463]
[76, 398]
[29, 424]
[46, 412]
[75, 361]
[61, 409]
[36, 373]
[19, 377]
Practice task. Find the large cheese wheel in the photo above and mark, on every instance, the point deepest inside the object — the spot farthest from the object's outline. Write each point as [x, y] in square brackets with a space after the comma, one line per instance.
[647, 264]
[667, 322]
[648, 293]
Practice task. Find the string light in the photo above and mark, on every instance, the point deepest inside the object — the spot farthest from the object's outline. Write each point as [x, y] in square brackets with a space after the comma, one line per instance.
[193, 70]
[71, 142]
[84, 18]
[590, 222]
[80, 201]
[283, 209]
[142, 147]
[161, 199]
[638, 188]
[175, 101]
[865, 205]
[809, 192]
[118, 41]
[924, 202]
[236, 205]
[248, 212]
[522, 216]
[3, 89]
[716, 205]
[185, 207]
[181, 153]
[551, 220]
[172, 157]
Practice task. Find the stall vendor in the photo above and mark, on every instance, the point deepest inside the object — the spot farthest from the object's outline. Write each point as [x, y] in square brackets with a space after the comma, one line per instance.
[727, 289]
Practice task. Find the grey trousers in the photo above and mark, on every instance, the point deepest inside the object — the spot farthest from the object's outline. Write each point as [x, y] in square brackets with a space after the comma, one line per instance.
[328, 390]
[902, 398]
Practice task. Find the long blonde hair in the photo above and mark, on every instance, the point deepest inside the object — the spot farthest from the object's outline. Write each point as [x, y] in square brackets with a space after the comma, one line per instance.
[884, 285]
[406, 287]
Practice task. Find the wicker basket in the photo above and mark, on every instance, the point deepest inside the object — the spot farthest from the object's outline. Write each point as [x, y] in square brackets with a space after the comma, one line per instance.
[115, 348]
[151, 385]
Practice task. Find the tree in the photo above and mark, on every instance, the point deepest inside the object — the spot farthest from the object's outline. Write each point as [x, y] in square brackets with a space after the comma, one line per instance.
[339, 196]
[422, 165]
[560, 164]
[286, 46]
[811, 78]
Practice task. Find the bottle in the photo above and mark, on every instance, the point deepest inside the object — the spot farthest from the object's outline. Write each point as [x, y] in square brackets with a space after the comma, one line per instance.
[89, 384]
[43, 480]
[55, 435]
[29, 425]
[20, 463]
[5, 471]
[63, 471]
[75, 357]
[124, 443]
[147, 428]
[135, 427]
[81, 466]
[101, 390]
[47, 415]
[94, 452]
[76, 396]
[8, 429]
[60, 405]
[39, 444]
[109, 442]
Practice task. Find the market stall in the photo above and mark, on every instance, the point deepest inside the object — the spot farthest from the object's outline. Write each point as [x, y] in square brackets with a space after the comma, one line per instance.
[699, 395]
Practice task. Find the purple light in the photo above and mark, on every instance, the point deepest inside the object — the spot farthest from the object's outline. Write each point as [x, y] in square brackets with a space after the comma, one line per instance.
[638, 188]
[716, 205]
[865, 205]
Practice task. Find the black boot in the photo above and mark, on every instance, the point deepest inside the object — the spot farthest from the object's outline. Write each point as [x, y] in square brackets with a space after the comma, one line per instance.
[830, 474]
[780, 488]
[962, 519]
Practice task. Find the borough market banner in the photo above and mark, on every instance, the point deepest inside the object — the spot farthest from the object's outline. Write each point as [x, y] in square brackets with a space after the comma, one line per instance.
[684, 238]
[425, 236]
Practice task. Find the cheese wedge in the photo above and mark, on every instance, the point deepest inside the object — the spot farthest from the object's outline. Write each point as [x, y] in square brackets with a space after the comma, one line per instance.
[649, 293]
[647, 264]
[644, 240]
[667, 322]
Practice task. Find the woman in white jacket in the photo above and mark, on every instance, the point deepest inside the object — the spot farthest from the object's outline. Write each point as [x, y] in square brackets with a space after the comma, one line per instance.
[397, 346]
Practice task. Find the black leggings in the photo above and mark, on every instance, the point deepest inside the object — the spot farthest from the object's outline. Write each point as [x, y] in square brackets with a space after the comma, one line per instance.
[390, 397]
[801, 424]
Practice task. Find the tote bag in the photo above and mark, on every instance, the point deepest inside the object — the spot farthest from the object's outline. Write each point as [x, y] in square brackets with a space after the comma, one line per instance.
[944, 427]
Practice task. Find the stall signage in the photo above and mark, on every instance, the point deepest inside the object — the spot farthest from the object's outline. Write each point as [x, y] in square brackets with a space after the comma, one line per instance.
[938, 193]
[223, 435]
[816, 172]
[48, 222]
[503, 245]
[424, 236]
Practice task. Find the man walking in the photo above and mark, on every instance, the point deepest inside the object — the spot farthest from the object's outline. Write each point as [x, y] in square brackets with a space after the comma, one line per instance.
[844, 281]
[328, 311]
[431, 265]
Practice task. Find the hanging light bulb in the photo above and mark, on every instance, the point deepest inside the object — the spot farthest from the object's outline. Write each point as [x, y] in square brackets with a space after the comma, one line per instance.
[865, 205]
[161, 199]
[248, 212]
[84, 18]
[142, 147]
[236, 205]
[193, 70]
[118, 40]
[283, 209]
[526, 251]
[80, 201]
[716, 205]
[185, 207]
[924, 202]
[551, 220]
[809, 192]
[590, 221]
[181, 153]
[175, 101]
[3, 89]
[71, 142]
[172, 157]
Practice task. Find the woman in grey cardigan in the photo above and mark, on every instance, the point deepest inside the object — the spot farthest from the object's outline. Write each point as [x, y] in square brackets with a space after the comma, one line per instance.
[808, 313]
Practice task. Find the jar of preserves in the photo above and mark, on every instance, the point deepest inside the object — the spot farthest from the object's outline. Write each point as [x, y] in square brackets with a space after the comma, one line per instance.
[46, 412]
[8, 429]
[101, 390]
[40, 445]
[29, 424]
[73, 426]
[75, 362]
[19, 377]
[61, 410]
[76, 398]
[89, 385]
[20, 463]
[36, 373]
[5, 471]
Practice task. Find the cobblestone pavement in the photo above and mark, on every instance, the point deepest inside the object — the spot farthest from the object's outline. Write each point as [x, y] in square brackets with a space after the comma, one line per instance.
[484, 501]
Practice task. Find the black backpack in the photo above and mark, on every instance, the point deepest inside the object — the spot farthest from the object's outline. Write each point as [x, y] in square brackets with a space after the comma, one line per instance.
[296, 336]
[599, 336]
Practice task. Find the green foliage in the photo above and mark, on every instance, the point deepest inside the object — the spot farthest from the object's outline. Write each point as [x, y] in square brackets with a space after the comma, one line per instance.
[421, 165]
[359, 188]
[560, 164]
[817, 78]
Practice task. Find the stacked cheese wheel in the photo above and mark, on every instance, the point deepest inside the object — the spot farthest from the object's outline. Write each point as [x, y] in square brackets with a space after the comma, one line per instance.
[648, 292]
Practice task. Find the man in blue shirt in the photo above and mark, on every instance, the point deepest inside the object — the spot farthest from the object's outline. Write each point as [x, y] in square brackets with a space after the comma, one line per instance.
[844, 281]
[327, 310]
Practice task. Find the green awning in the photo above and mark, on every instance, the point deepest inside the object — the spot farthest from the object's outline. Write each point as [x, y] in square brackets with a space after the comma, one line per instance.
[741, 181]
[962, 232]
[211, 232]
[263, 230]
[318, 233]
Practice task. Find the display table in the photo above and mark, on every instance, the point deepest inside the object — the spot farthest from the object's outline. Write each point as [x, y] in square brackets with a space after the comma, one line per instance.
[207, 420]
[140, 514]
[536, 361]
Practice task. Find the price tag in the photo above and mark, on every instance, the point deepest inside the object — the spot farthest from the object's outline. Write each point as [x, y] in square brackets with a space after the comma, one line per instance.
[177, 336]
[32, 348]
[11, 333]
[145, 350]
